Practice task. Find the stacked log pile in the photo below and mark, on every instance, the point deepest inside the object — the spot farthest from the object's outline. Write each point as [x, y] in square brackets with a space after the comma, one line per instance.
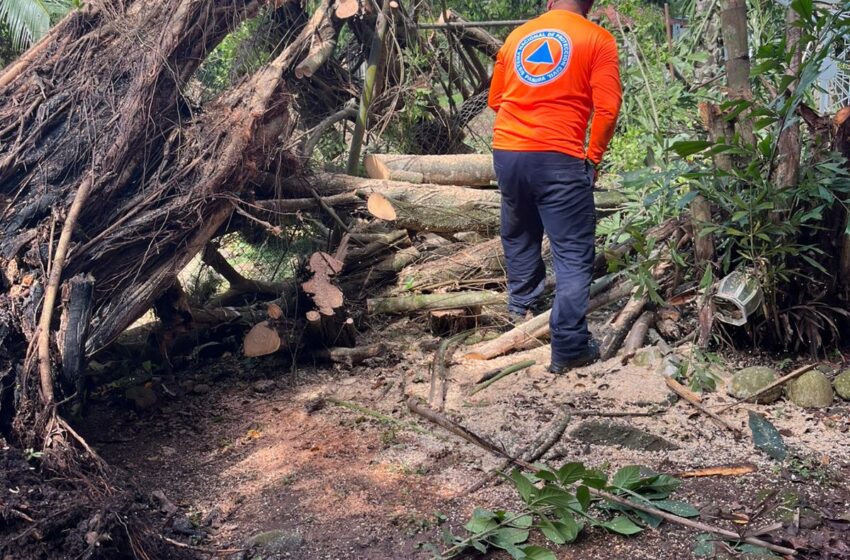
[428, 233]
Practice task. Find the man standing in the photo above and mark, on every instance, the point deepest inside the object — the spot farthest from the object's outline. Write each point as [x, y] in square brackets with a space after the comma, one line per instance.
[550, 75]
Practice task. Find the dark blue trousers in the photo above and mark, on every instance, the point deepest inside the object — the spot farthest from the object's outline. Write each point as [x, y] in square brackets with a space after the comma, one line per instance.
[551, 192]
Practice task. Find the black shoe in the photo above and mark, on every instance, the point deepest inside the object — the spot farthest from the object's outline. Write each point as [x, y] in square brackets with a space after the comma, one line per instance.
[516, 319]
[589, 356]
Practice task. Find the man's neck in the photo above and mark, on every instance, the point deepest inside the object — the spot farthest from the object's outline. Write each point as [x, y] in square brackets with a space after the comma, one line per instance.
[569, 6]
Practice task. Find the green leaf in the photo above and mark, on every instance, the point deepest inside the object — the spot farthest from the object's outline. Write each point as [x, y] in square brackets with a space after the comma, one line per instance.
[554, 496]
[664, 485]
[766, 437]
[583, 497]
[757, 551]
[595, 479]
[648, 519]
[682, 509]
[538, 553]
[551, 532]
[622, 525]
[482, 520]
[687, 148]
[627, 477]
[523, 522]
[707, 278]
[704, 545]
[549, 476]
[568, 526]
[509, 535]
[524, 486]
[571, 472]
[805, 8]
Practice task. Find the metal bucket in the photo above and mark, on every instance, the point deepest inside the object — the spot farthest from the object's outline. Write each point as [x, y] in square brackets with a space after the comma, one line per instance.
[738, 297]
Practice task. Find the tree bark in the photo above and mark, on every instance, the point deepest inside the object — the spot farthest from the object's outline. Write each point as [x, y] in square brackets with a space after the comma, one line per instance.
[430, 302]
[472, 170]
[444, 209]
[733, 21]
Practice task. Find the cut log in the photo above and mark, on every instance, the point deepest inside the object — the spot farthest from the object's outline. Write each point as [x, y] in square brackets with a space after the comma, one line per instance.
[534, 332]
[617, 329]
[467, 170]
[263, 339]
[325, 294]
[637, 335]
[451, 210]
[347, 8]
[274, 311]
[446, 218]
[449, 322]
[430, 302]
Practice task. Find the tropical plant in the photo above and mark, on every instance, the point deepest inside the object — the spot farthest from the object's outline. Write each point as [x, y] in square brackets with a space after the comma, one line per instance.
[559, 503]
[27, 21]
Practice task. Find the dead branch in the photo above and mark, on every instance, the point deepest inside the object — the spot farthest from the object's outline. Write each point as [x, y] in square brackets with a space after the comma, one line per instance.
[477, 440]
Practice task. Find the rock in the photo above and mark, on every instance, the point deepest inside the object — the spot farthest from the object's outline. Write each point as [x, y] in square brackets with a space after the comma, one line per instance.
[201, 389]
[842, 384]
[276, 542]
[751, 380]
[165, 504]
[183, 526]
[264, 385]
[810, 390]
[141, 396]
[648, 357]
[608, 433]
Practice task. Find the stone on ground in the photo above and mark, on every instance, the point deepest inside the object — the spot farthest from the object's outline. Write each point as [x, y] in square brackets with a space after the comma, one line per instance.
[842, 384]
[810, 390]
[276, 542]
[648, 357]
[142, 397]
[608, 433]
[749, 381]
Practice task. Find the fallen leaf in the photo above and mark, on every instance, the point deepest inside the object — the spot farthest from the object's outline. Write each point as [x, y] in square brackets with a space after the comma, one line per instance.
[766, 437]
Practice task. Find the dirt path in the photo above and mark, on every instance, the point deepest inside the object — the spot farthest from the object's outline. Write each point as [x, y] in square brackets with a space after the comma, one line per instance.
[245, 447]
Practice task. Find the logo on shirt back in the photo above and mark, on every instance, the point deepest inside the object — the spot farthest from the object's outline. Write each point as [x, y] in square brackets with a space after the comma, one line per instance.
[542, 57]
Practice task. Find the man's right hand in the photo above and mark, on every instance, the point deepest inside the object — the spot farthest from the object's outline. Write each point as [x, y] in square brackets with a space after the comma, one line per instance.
[592, 172]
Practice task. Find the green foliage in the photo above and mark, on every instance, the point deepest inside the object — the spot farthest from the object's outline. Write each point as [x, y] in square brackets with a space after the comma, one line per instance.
[26, 21]
[766, 437]
[241, 52]
[698, 370]
[559, 504]
[775, 231]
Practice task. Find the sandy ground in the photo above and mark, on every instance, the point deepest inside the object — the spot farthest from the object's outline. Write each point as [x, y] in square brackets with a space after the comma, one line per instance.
[343, 485]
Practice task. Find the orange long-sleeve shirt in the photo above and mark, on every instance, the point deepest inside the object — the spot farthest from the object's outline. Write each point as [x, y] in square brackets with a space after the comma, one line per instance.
[549, 76]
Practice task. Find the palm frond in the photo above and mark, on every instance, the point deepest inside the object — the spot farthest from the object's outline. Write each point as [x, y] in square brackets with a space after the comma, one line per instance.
[29, 20]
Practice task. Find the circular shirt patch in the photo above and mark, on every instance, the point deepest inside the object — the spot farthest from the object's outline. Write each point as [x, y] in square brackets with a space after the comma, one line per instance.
[542, 57]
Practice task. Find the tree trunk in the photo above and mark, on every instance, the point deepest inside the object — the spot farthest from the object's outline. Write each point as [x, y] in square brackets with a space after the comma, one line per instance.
[789, 148]
[472, 170]
[733, 22]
